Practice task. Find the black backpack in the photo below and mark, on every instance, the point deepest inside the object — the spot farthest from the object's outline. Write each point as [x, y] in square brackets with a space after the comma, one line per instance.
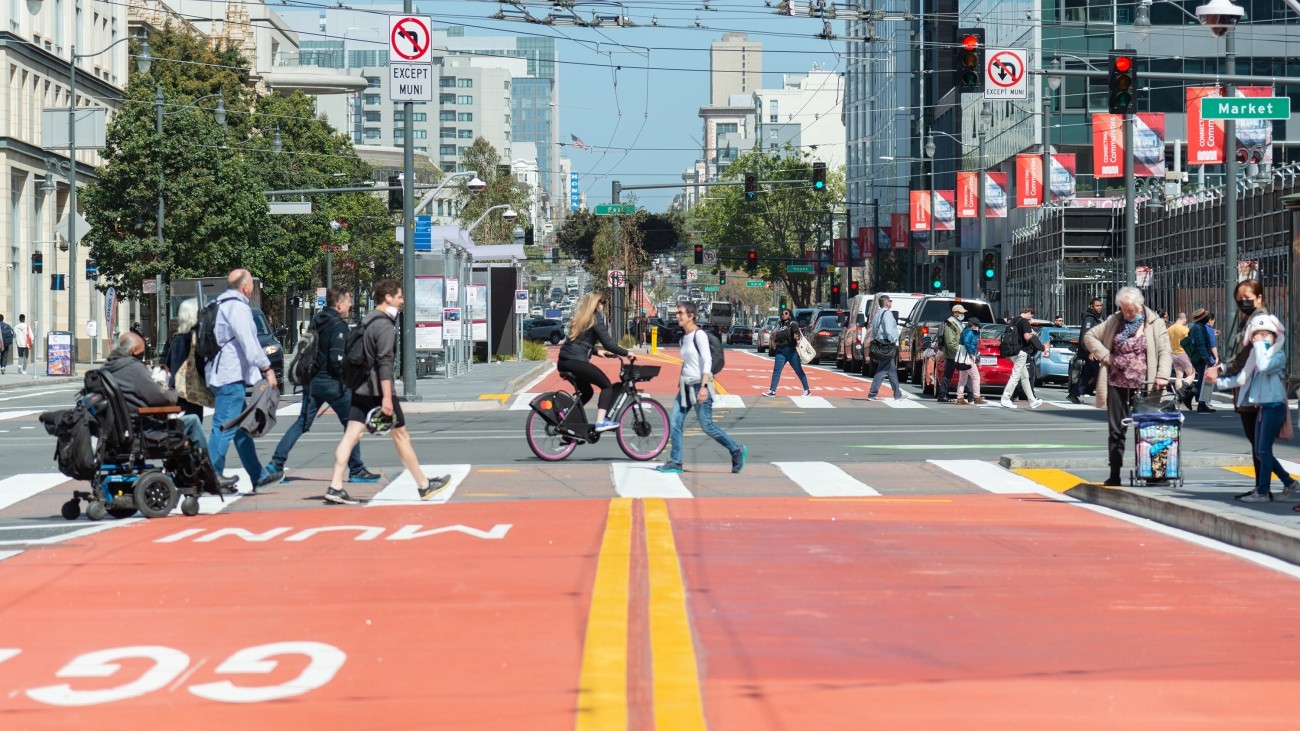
[305, 364]
[715, 350]
[355, 368]
[1011, 342]
[74, 449]
[6, 334]
[206, 346]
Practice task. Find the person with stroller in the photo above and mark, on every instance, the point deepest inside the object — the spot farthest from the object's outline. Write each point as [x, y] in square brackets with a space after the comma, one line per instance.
[1133, 349]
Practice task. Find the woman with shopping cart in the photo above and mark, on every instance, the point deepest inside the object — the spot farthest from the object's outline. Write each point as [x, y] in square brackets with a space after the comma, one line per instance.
[1133, 349]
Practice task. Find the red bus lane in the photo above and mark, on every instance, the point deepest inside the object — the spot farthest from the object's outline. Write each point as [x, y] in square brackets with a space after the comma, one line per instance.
[457, 616]
[975, 612]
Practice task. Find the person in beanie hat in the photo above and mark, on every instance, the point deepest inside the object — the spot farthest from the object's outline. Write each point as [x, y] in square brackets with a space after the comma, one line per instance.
[969, 379]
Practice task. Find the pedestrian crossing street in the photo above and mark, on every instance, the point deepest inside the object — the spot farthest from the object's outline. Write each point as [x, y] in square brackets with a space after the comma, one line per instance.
[732, 401]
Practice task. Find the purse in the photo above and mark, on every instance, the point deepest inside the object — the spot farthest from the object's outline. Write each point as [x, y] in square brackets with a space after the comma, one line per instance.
[1286, 433]
[964, 359]
[805, 350]
[189, 382]
[883, 351]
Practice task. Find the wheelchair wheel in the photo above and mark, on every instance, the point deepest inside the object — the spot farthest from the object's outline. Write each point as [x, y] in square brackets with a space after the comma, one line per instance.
[121, 513]
[190, 505]
[71, 510]
[155, 494]
[96, 510]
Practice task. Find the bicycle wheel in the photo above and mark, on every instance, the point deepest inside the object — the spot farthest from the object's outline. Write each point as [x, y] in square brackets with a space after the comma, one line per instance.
[643, 430]
[545, 441]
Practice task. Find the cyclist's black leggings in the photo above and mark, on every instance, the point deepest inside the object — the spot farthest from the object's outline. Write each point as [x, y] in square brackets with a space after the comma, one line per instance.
[588, 375]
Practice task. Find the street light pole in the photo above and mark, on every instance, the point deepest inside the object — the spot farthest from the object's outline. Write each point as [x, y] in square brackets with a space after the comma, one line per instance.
[984, 116]
[1230, 172]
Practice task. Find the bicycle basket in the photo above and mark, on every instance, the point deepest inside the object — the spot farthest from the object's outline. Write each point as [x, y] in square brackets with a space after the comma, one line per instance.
[640, 373]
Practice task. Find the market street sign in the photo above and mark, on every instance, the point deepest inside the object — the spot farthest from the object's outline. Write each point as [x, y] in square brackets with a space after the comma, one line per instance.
[1242, 107]
[616, 209]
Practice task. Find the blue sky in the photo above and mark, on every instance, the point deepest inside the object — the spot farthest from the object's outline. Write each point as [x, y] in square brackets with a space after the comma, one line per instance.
[633, 94]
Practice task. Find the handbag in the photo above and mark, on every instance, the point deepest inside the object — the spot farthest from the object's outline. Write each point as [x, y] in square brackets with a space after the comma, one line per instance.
[964, 359]
[805, 350]
[189, 382]
[1286, 433]
[883, 351]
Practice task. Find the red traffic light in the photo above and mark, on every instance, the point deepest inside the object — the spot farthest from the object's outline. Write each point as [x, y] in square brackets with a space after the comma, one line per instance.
[970, 42]
[753, 256]
[1123, 64]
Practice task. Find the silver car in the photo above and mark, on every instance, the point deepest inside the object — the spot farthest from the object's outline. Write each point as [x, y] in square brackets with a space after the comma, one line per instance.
[763, 336]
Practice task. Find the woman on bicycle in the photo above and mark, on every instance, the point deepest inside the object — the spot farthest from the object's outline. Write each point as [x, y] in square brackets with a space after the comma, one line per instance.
[586, 329]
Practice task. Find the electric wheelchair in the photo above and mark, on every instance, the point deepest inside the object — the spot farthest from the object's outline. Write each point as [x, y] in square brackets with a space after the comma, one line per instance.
[142, 460]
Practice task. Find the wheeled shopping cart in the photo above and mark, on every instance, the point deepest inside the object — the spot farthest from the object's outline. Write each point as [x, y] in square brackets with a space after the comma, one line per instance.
[1157, 434]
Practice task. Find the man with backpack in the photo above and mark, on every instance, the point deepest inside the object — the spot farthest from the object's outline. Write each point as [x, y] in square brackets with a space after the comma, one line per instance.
[319, 366]
[951, 340]
[6, 343]
[232, 358]
[1197, 346]
[1025, 343]
[694, 391]
[367, 369]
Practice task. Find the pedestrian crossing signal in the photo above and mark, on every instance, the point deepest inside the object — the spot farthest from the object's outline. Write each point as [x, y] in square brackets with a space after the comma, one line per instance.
[38, 263]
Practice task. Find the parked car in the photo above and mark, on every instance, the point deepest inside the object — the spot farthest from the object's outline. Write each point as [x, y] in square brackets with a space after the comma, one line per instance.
[825, 334]
[739, 335]
[270, 341]
[995, 370]
[763, 340]
[856, 335]
[927, 318]
[803, 315]
[1055, 367]
[545, 330]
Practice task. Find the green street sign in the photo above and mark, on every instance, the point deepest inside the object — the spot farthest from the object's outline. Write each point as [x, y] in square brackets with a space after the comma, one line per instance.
[711, 288]
[799, 268]
[755, 283]
[1245, 107]
[615, 209]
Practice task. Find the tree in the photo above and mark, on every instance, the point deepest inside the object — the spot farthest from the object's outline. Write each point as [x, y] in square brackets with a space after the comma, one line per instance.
[502, 187]
[784, 224]
[216, 216]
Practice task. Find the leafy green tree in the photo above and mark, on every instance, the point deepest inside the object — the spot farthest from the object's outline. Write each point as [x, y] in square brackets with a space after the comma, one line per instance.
[784, 224]
[502, 187]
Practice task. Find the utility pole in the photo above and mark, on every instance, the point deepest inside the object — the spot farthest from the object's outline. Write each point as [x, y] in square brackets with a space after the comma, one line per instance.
[409, 390]
[1230, 185]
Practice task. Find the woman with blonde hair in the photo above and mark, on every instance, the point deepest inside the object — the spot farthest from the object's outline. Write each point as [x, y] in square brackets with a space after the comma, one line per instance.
[586, 330]
[187, 317]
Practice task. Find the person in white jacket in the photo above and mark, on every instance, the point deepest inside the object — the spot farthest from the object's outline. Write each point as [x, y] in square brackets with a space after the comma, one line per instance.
[23, 341]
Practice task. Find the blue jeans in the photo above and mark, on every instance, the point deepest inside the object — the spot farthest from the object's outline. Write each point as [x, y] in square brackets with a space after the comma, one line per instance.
[704, 410]
[1267, 423]
[229, 402]
[888, 369]
[788, 355]
[192, 427]
[322, 390]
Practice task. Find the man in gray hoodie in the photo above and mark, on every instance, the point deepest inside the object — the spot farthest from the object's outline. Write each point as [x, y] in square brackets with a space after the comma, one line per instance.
[377, 392]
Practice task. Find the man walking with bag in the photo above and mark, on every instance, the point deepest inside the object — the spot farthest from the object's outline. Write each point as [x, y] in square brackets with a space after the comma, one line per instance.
[330, 334]
[239, 362]
[1087, 367]
[884, 342]
[1029, 344]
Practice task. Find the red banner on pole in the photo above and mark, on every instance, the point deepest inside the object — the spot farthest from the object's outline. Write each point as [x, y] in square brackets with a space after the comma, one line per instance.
[1107, 145]
[1204, 136]
[840, 252]
[995, 195]
[867, 242]
[899, 233]
[1029, 181]
[920, 210]
[945, 210]
[1065, 171]
[968, 195]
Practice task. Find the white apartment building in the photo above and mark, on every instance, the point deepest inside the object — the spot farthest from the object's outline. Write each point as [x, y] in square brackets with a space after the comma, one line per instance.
[806, 112]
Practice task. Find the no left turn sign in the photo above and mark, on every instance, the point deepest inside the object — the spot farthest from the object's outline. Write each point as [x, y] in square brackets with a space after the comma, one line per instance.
[408, 39]
[1004, 74]
[617, 278]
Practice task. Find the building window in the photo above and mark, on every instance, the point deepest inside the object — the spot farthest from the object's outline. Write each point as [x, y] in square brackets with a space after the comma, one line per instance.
[464, 116]
[373, 82]
[446, 150]
[465, 100]
[419, 116]
[371, 99]
[446, 116]
[465, 134]
[420, 134]
[465, 83]
[377, 117]
[446, 98]
[399, 134]
[397, 117]
[447, 82]
[447, 133]
[449, 167]
[371, 133]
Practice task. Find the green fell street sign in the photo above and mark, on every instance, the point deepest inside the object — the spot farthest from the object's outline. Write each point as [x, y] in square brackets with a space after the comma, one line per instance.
[1244, 107]
[755, 283]
[711, 288]
[615, 209]
[799, 268]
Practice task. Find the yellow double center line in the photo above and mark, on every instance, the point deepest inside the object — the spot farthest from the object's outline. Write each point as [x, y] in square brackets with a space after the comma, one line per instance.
[603, 688]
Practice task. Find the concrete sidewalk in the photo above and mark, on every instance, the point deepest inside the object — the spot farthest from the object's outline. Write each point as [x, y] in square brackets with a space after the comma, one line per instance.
[35, 376]
[1203, 505]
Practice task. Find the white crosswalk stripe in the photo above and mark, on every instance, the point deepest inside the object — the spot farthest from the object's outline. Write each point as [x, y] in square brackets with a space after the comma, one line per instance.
[811, 402]
[990, 477]
[6, 415]
[20, 487]
[403, 490]
[904, 403]
[641, 479]
[522, 401]
[823, 479]
[728, 401]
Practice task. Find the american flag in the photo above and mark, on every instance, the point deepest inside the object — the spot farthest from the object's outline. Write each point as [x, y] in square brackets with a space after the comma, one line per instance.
[577, 143]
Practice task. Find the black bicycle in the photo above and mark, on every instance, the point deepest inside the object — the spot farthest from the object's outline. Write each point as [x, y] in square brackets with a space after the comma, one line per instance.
[557, 423]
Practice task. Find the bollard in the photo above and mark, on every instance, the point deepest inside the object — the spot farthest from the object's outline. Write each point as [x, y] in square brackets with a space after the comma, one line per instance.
[654, 338]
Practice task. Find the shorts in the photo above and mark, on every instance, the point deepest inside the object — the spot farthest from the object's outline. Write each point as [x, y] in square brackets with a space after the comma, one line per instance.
[361, 405]
[22, 352]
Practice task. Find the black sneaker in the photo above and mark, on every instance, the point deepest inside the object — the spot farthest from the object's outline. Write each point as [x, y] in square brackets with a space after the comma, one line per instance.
[340, 496]
[1075, 399]
[436, 484]
[738, 459]
[270, 475]
[363, 475]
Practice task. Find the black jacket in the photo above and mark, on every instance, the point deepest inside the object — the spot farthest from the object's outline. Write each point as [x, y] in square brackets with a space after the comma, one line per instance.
[178, 350]
[331, 342]
[1090, 320]
[581, 347]
[380, 342]
[786, 336]
[136, 383]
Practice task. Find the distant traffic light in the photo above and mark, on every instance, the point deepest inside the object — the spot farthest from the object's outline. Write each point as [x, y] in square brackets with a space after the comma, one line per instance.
[936, 276]
[722, 277]
[835, 295]
[970, 60]
[555, 255]
[751, 261]
[395, 201]
[990, 266]
[699, 253]
[853, 289]
[92, 269]
[1123, 79]
[751, 186]
[529, 238]
[819, 176]
[38, 263]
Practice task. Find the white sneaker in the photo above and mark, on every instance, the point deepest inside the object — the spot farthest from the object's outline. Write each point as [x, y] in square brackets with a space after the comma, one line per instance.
[1289, 492]
[1006, 404]
[1035, 403]
[1255, 497]
[807, 393]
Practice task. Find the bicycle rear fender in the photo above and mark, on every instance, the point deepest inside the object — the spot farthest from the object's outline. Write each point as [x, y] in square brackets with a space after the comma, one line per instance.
[551, 405]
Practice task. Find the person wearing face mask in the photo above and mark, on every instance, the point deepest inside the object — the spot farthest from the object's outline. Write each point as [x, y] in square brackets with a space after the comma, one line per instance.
[1088, 365]
[951, 341]
[1133, 349]
[783, 340]
[1251, 315]
[1261, 382]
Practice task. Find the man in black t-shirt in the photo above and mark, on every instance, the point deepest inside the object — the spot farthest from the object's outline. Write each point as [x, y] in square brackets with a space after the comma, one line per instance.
[1087, 379]
[1020, 363]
